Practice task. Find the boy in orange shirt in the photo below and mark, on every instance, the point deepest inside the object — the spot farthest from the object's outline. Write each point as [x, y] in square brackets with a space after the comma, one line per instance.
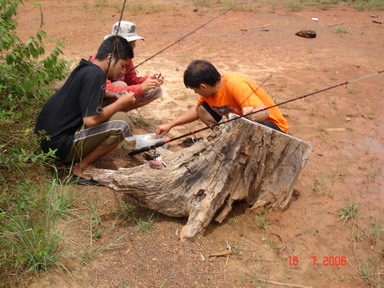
[220, 95]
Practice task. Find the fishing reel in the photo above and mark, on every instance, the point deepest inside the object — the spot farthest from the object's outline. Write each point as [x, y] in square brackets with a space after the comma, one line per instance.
[155, 160]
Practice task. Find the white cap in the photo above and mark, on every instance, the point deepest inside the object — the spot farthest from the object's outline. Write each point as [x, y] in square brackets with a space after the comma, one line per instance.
[126, 30]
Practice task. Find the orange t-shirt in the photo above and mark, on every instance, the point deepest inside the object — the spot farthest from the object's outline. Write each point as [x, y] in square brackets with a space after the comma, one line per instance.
[238, 91]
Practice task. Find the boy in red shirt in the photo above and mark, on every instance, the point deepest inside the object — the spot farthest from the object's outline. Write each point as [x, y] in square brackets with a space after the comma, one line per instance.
[146, 88]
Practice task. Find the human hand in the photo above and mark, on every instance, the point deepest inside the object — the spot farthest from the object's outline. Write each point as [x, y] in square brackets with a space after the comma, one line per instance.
[111, 96]
[256, 116]
[247, 110]
[149, 83]
[120, 93]
[126, 98]
[163, 129]
[160, 79]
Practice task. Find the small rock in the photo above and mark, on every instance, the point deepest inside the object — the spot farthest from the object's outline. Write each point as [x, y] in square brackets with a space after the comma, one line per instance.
[306, 34]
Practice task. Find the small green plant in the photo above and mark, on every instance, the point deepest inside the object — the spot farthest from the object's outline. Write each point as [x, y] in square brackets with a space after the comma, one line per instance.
[318, 185]
[237, 250]
[374, 232]
[313, 111]
[260, 281]
[341, 30]
[349, 212]
[262, 222]
[147, 225]
[127, 212]
[261, 276]
[321, 127]
[336, 76]
[95, 223]
[356, 234]
[372, 272]
[340, 171]
[351, 91]
[233, 220]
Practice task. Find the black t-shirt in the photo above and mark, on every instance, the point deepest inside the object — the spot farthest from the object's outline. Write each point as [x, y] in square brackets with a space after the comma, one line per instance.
[63, 114]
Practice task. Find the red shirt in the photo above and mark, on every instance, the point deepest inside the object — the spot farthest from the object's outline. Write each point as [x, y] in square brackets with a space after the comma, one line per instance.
[131, 78]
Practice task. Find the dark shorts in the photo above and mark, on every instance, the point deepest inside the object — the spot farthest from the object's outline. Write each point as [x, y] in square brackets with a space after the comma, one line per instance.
[218, 118]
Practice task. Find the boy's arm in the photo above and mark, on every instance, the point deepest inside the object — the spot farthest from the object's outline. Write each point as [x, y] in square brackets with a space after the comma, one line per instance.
[131, 77]
[119, 105]
[188, 117]
[259, 116]
[250, 101]
[137, 88]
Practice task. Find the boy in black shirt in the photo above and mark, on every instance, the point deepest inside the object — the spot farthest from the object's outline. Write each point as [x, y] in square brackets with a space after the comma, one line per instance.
[73, 121]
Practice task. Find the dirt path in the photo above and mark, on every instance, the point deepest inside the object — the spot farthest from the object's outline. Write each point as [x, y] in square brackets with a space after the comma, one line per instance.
[345, 127]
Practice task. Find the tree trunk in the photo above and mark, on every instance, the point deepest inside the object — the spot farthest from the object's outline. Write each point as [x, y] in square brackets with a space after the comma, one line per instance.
[240, 160]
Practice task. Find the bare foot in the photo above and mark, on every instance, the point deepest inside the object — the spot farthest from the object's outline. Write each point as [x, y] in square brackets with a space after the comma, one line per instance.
[76, 171]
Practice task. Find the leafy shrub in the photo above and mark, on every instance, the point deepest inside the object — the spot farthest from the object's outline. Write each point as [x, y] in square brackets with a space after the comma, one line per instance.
[26, 76]
[28, 241]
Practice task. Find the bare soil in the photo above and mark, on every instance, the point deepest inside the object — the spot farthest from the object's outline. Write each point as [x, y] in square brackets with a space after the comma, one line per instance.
[344, 126]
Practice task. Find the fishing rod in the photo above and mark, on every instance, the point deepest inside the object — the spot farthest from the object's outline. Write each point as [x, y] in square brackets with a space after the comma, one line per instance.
[100, 108]
[174, 43]
[161, 143]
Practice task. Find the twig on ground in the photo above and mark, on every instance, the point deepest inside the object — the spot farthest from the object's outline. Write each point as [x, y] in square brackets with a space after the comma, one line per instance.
[287, 284]
[332, 25]
[220, 254]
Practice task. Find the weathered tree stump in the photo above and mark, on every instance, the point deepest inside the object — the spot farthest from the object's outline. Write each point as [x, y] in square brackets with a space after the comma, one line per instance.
[240, 160]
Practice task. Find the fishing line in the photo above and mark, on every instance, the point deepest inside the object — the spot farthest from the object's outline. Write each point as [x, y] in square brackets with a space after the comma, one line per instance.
[366, 76]
[174, 43]
[100, 108]
[161, 143]
[253, 92]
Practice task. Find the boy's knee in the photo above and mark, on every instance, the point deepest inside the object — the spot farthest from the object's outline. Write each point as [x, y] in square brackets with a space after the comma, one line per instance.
[207, 114]
[151, 95]
[120, 127]
[119, 83]
[122, 116]
[204, 116]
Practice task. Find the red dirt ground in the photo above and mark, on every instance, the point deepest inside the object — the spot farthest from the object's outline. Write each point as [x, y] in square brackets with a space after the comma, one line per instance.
[345, 167]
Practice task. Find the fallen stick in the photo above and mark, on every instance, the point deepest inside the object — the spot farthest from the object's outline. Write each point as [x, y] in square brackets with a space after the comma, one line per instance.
[331, 25]
[265, 27]
[220, 254]
[287, 284]
[338, 129]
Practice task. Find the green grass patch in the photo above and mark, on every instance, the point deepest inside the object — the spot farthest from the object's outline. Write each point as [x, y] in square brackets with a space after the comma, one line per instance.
[30, 233]
[145, 225]
[349, 212]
